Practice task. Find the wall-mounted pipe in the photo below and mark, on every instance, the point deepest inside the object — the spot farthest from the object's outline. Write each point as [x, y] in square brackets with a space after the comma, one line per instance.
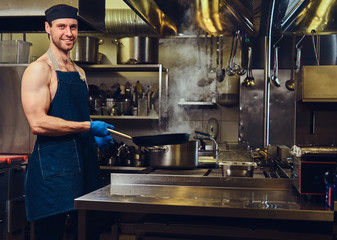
[124, 23]
[266, 97]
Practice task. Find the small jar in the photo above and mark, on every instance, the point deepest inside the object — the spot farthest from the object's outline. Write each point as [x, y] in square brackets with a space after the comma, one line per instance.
[134, 111]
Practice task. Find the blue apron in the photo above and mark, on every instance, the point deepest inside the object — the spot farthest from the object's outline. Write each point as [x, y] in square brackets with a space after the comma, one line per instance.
[62, 168]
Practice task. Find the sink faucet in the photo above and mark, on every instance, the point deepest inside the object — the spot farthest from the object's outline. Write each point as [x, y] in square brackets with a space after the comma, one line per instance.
[215, 150]
[207, 136]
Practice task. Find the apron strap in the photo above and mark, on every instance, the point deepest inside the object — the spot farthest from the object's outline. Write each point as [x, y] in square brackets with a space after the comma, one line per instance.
[82, 76]
[57, 68]
[53, 60]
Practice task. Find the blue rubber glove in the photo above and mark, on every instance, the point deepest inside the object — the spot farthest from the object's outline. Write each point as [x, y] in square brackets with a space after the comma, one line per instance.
[104, 143]
[99, 128]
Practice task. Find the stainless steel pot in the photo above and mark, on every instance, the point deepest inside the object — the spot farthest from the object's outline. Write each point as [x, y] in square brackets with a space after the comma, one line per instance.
[85, 50]
[133, 50]
[178, 156]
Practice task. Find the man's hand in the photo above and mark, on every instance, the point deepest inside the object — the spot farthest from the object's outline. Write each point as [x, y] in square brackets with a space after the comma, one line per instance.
[104, 143]
[99, 128]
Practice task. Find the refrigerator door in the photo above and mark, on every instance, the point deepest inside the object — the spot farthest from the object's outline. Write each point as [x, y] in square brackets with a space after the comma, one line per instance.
[15, 136]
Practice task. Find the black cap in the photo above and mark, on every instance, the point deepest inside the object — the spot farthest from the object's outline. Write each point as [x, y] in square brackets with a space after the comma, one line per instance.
[60, 11]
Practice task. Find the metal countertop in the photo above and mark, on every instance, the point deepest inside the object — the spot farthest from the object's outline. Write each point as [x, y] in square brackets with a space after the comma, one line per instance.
[204, 196]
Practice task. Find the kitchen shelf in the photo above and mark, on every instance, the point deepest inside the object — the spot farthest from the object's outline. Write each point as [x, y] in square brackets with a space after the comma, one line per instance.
[162, 81]
[126, 67]
[184, 103]
[124, 117]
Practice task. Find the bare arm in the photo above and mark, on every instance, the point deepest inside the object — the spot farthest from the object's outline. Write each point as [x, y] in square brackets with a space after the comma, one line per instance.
[36, 99]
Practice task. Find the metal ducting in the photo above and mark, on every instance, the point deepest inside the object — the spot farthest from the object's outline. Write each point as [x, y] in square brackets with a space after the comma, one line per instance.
[150, 12]
[126, 23]
[306, 17]
[28, 15]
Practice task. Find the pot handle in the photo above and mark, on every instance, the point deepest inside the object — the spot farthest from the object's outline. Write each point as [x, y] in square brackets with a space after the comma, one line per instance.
[159, 149]
[203, 134]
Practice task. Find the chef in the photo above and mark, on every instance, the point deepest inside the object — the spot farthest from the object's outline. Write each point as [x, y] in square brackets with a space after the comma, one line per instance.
[64, 164]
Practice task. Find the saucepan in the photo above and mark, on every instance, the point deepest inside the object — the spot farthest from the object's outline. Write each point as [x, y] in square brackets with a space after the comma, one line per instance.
[156, 140]
[175, 156]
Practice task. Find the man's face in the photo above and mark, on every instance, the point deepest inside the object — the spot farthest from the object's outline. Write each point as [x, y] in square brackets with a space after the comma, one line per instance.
[63, 33]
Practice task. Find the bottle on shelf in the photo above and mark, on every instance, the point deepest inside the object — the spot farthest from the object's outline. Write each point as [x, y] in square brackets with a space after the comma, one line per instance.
[142, 106]
[123, 102]
[122, 94]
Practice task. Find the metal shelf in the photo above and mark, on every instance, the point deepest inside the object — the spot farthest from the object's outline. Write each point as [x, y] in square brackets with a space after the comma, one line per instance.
[126, 67]
[124, 117]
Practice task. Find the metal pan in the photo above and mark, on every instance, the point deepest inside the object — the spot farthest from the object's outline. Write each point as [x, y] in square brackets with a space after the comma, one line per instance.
[156, 140]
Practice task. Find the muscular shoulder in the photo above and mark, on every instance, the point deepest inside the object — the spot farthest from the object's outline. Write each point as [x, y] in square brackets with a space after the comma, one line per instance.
[38, 71]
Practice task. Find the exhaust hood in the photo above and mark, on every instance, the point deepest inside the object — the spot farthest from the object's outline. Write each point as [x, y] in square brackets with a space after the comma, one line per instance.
[306, 16]
[28, 16]
[223, 17]
[190, 17]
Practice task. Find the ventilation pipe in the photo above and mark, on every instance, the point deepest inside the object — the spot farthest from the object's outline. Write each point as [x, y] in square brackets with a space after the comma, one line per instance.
[124, 23]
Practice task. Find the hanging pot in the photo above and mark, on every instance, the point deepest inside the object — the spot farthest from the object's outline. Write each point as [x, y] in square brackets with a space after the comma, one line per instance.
[133, 50]
[85, 50]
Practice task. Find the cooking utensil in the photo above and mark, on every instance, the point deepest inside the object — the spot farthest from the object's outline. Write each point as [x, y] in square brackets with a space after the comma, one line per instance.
[290, 84]
[212, 71]
[177, 156]
[249, 81]
[229, 70]
[204, 81]
[314, 46]
[219, 50]
[238, 69]
[274, 77]
[155, 140]
[298, 54]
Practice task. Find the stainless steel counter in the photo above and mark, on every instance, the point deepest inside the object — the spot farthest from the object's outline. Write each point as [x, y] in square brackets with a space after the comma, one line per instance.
[204, 196]
[201, 207]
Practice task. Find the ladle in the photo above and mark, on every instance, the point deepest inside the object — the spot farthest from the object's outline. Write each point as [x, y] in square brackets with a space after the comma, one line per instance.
[290, 84]
[229, 70]
[239, 69]
[249, 81]
[314, 46]
[205, 80]
[298, 54]
[220, 74]
[212, 71]
[274, 77]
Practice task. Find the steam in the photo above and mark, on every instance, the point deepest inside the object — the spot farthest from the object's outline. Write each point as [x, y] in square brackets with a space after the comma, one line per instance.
[185, 71]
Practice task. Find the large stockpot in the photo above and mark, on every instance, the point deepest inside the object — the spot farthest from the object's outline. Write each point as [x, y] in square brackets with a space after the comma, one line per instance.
[177, 156]
[133, 50]
[85, 50]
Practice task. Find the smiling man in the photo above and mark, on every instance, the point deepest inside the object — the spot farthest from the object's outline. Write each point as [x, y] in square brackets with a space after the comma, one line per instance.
[64, 163]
